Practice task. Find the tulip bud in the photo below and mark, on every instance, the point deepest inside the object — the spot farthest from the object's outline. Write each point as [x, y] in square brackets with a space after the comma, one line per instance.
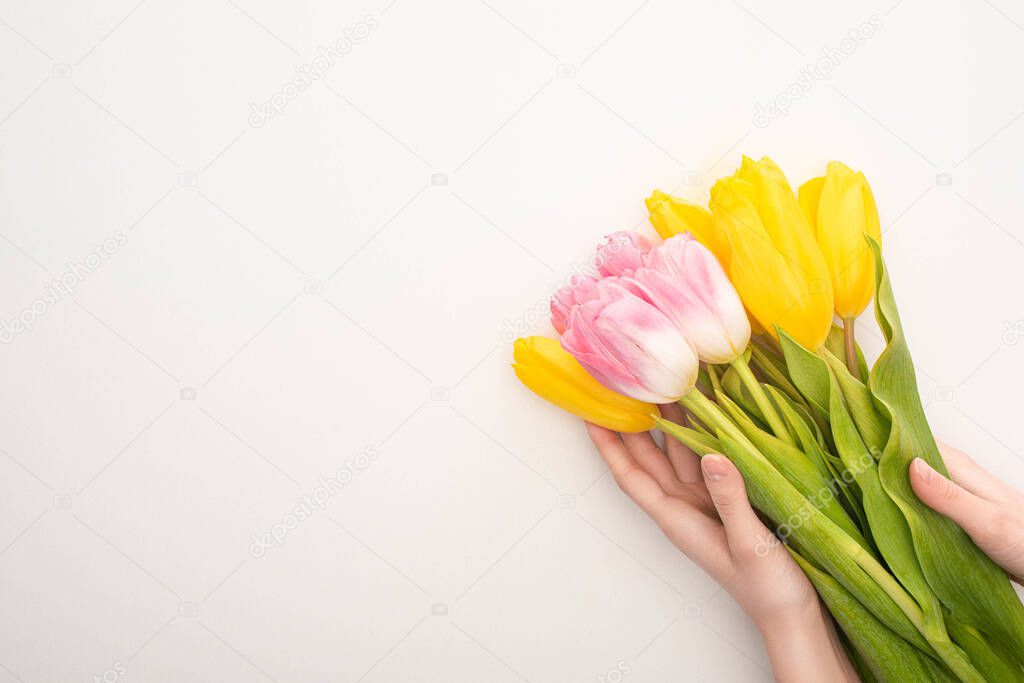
[841, 209]
[580, 289]
[685, 281]
[630, 346]
[775, 263]
[552, 373]
[621, 253]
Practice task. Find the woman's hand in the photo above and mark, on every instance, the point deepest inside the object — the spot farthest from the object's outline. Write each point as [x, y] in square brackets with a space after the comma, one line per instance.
[991, 512]
[701, 505]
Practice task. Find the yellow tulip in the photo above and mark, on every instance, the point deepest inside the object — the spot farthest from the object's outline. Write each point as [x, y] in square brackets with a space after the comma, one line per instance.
[841, 209]
[672, 216]
[775, 262]
[550, 372]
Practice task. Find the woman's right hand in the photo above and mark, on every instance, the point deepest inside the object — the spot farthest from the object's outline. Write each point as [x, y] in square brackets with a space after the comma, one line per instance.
[990, 511]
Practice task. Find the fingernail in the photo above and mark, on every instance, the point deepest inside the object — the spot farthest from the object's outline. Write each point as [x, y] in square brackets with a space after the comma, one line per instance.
[924, 470]
[714, 468]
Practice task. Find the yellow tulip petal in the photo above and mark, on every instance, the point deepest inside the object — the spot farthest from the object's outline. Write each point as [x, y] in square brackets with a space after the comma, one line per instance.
[673, 216]
[775, 262]
[746, 169]
[553, 374]
[846, 212]
[809, 195]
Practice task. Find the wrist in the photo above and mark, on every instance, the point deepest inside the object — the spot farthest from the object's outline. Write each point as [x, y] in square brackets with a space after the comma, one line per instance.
[802, 646]
[809, 618]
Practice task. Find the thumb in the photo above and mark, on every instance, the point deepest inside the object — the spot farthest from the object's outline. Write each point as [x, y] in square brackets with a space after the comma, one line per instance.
[743, 530]
[944, 496]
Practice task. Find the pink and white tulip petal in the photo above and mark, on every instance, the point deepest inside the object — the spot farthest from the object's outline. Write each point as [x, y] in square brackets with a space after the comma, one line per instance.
[630, 346]
[621, 253]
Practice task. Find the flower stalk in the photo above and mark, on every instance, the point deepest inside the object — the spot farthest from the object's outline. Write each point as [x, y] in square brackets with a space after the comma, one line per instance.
[764, 405]
[850, 345]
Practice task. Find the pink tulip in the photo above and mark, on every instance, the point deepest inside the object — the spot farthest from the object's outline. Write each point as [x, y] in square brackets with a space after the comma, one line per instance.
[684, 281]
[621, 253]
[580, 289]
[630, 346]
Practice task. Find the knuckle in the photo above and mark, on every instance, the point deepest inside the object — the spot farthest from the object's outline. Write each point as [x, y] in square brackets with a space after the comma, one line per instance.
[676, 488]
[1014, 548]
[725, 500]
[998, 529]
[621, 475]
[633, 475]
[948, 491]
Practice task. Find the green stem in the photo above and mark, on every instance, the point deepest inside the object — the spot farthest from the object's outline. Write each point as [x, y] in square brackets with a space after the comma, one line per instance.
[887, 582]
[774, 371]
[935, 634]
[716, 382]
[699, 443]
[708, 412]
[764, 404]
[850, 342]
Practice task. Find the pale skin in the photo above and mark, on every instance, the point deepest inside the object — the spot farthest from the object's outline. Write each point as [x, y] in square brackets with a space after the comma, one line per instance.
[701, 505]
[989, 510]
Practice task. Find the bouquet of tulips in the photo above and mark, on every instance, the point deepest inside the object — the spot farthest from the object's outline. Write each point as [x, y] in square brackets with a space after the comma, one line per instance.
[732, 317]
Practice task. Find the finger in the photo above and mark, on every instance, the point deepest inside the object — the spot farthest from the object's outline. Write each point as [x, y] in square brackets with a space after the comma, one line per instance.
[653, 460]
[631, 478]
[692, 531]
[684, 461]
[973, 477]
[743, 530]
[972, 513]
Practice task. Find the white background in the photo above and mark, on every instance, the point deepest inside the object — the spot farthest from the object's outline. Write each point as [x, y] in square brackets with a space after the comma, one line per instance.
[322, 295]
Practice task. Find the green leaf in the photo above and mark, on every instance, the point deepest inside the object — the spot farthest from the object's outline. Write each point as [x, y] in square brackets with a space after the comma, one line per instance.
[836, 344]
[732, 384]
[773, 370]
[872, 424]
[860, 665]
[828, 463]
[703, 380]
[699, 442]
[701, 429]
[886, 655]
[969, 584]
[889, 528]
[994, 666]
[808, 372]
[805, 429]
[797, 468]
